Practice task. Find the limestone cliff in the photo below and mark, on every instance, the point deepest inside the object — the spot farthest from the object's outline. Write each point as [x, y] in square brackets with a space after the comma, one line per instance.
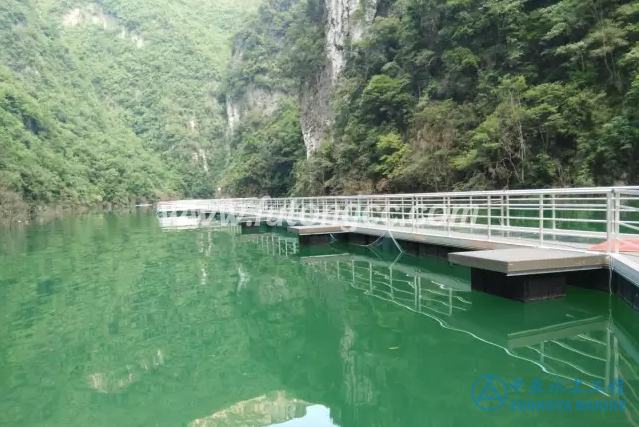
[345, 22]
[254, 100]
[315, 114]
[251, 100]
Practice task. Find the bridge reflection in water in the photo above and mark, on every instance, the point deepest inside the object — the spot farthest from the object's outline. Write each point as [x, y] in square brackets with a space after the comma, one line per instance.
[563, 338]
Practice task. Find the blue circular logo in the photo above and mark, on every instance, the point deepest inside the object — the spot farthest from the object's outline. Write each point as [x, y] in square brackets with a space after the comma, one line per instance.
[489, 392]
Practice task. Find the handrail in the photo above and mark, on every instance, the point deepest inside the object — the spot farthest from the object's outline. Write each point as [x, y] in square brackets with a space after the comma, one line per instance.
[550, 191]
[576, 218]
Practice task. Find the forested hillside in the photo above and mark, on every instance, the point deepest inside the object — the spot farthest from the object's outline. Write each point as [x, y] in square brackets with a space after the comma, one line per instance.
[111, 101]
[121, 101]
[460, 94]
[262, 89]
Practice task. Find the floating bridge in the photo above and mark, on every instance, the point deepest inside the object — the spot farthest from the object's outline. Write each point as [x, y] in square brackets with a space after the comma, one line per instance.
[519, 244]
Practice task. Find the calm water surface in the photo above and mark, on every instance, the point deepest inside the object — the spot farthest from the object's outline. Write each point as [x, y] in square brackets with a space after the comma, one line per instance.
[110, 320]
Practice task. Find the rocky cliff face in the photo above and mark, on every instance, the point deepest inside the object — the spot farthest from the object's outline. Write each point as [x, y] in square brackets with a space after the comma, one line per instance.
[95, 15]
[315, 115]
[252, 100]
[345, 22]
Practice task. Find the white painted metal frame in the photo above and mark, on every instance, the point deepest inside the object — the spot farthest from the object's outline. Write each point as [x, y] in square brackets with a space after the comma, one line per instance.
[575, 218]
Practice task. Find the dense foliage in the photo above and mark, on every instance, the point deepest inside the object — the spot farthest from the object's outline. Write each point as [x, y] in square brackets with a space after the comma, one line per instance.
[504, 93]
[112, 101]
[118, 101]
[269, 149]
[466, 94]
[267, 145]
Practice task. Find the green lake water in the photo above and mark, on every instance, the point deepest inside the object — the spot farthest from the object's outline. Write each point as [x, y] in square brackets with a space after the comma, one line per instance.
[111, 320]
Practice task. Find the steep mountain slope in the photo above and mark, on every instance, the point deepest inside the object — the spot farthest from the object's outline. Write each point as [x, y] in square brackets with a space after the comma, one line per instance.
[435, 95]
[159, 62]
[111, 101]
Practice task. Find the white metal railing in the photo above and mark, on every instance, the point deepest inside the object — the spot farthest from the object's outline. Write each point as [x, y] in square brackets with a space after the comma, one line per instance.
[600, 219]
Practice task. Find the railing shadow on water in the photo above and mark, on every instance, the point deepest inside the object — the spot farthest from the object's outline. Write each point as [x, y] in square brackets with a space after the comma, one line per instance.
[566, 338]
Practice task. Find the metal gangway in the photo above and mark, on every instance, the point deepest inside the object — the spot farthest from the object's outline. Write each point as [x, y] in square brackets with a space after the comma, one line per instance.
[598, 219]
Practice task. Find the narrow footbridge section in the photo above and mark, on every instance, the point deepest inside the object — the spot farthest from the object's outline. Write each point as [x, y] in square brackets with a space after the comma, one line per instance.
[525, 243]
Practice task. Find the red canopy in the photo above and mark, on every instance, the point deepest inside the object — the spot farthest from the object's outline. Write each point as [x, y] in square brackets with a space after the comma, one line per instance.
[625, 245]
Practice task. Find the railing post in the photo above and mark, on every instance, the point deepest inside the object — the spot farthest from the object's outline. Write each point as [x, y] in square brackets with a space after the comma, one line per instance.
[403, 220]
[609, 220]
[324, 211]
[489, 218]
[387, 212]
[413, 213]
[447, 213]
[507, 216]
[554, 218]
[617, 218]
[541, 220]
[470, 206]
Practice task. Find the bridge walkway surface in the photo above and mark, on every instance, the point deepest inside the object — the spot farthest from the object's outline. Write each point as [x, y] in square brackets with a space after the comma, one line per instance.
[549, 231]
